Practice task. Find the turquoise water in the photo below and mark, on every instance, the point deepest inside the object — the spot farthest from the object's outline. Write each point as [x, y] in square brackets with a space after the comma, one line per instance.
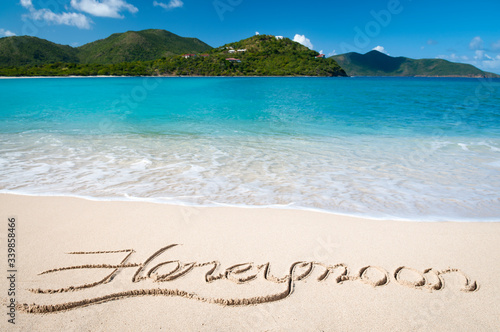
[405, 148]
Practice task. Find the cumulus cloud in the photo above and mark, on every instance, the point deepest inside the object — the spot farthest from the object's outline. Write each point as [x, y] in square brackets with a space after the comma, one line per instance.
[476, 43]
[72, 19]
[491, 64]
[332, 53]
[496, 46]
[257, 33]
[380, 49]
[26, 3]
[301, 39]
[171, 5]
[104, 8]
[6, 33]
[481, 60]
[479, 55]
[453, 57]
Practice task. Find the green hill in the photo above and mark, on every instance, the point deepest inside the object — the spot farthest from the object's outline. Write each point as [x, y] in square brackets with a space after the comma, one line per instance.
[23, 50]
[120, 47]
[375, 63]
[138, 46]
[263, 55]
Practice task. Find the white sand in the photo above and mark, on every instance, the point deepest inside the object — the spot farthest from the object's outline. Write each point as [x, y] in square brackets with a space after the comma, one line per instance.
[48, 228]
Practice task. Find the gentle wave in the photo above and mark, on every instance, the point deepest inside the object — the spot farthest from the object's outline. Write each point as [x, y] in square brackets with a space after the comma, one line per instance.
[370, 177]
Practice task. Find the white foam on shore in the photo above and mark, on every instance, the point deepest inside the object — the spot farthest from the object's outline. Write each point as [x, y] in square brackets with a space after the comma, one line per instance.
[179, 202]
[415, 179]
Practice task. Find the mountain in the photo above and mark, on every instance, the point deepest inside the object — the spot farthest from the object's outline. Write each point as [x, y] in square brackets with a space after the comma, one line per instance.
[262, 55]
[138, 46]
[375, 63]
[120, 47]
[23, 50]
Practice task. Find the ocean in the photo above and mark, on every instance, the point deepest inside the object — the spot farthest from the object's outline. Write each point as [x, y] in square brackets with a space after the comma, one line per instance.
[424, 149]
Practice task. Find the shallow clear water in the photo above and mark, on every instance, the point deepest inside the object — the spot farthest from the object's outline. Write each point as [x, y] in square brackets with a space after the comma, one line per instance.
[411, 148]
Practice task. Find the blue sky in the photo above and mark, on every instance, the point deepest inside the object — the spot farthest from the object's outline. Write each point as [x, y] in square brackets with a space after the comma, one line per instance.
[461, 31]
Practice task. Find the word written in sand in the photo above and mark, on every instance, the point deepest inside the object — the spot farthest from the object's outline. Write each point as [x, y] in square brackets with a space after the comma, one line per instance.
[375, 276]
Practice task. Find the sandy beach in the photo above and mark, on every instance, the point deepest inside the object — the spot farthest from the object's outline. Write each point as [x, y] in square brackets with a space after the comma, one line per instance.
[101, 266]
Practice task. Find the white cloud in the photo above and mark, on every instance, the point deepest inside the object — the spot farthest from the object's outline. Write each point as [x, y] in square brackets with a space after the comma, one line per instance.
[491, 65]
[301, 39]
[332, 53]
[479, 55]
[279, 37]
[432, 42]
[380, 49]
[453, 57]
[321, 52]
[6, 33]
[104, 8]
[496, 46]
[480, 60]
[257, 33]
[171, 5]
[26, 3]
[73, 19]
[476, 43]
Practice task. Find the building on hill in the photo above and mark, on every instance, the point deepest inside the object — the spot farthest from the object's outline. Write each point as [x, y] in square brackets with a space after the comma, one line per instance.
[185, 56]
[233, 60]
[321, 56]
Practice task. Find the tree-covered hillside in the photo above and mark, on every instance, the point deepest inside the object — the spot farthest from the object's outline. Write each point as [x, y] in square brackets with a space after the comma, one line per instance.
[261, 55]
[138, 46]
[23, 50]
[120, 47]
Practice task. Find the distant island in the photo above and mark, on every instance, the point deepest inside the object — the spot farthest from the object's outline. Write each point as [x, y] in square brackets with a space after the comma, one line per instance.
[375, 63]
[157, 52]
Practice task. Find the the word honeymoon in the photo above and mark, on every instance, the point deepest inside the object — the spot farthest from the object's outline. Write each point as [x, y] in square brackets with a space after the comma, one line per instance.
[170, 270]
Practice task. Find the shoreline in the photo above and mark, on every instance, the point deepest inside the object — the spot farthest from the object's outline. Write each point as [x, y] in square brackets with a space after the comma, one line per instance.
[314, 262]
[162, 76]
[289, 207]
[198, 76]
